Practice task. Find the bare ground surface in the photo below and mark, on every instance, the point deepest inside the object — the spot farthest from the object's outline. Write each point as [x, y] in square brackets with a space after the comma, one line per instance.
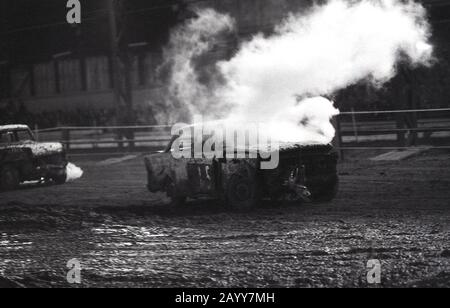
[397, 212]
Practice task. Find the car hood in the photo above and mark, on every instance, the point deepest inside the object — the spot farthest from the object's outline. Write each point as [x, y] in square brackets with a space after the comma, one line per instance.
[285, 147]
[38, 148]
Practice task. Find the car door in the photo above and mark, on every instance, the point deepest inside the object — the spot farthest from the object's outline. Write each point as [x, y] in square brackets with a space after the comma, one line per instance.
[201, 174]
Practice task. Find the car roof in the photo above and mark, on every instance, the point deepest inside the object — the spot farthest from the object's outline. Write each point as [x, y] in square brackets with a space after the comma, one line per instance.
[13, 127]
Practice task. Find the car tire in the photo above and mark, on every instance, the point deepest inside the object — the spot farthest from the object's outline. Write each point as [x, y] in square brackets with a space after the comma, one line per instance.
[328, 192]
[60, 179]
[176, 198]
[242, 192]
[9, 178]
[178, 201]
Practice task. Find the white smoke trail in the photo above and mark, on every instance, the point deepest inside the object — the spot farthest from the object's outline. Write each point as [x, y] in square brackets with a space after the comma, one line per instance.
[330, 48]
[73, 172]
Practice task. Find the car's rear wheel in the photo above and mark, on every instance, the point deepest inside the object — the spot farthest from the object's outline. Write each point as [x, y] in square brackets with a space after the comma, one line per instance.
[60, 178]
[242, 191]
[177, 198]
[9, 178]
[327, 192]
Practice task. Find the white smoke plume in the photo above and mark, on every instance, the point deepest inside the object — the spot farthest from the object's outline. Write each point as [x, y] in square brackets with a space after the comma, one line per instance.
[73, 172]
[271, 79]
[187, 44]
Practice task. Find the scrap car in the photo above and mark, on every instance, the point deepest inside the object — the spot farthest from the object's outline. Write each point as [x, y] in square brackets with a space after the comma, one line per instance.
[304, 173]
[24, 159]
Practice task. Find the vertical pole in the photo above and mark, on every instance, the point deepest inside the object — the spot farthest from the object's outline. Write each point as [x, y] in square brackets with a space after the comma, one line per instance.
[355, 128]
[122, 87]
[115, 69]
[68, 140]
[36, 132]
[399, 124]
[128, 94]
[65, 136]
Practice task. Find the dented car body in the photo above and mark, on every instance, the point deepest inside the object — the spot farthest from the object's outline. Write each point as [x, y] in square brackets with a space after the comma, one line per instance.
[304, 173]
[23, 159]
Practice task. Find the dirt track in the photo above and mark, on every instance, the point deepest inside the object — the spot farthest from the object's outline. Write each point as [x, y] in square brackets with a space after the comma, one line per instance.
[396, 212]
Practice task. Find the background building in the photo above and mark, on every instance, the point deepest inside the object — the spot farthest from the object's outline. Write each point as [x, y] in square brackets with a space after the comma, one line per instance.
[54, 73]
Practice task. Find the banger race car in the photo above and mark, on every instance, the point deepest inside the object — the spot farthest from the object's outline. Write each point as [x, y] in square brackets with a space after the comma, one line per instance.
[304, 173]
[22, 158]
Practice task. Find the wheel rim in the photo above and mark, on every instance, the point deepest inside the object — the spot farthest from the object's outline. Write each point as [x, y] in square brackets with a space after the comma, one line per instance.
[242, 192]
[241, 189]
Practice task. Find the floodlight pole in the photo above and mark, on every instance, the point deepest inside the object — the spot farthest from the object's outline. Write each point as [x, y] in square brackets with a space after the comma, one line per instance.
[121, 76]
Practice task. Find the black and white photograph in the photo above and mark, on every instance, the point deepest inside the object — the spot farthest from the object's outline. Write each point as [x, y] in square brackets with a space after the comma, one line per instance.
[224, 150]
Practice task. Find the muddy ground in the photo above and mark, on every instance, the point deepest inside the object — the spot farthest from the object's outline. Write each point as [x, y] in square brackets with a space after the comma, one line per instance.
[397, 212]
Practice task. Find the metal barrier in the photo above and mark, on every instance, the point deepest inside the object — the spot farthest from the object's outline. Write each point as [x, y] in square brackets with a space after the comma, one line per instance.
[116, 138]
[399, 129]
[352, 133]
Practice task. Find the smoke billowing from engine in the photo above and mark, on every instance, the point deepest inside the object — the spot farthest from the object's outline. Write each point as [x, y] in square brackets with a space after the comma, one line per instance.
[187, 44]
[279, 79]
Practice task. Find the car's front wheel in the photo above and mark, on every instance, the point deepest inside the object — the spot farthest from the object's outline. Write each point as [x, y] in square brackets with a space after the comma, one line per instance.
[177, 197]
[9, 178]
[327, 191]
[243, 191]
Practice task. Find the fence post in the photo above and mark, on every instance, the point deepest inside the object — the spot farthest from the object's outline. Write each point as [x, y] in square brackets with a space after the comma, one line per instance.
[131, 135]
[337, 141]
[119, 138]
[36, 132]
[399, 124]
[355, 127]
[65, 136]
